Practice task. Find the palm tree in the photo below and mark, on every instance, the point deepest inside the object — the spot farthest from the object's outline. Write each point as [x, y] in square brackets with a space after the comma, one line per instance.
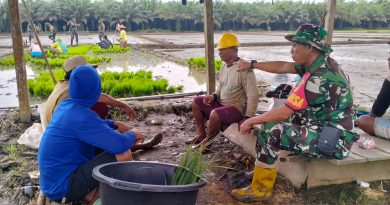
[175, 12]
[149, 10]
[292, 14]
[4, 17]
[78, 9]
[130, 12]
[243, 15]
[371, 15]
[222, 14]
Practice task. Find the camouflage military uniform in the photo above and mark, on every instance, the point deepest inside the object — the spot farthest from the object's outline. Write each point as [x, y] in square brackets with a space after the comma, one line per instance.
[323, 97]
[29, 33]
[73, 28]
[52, 32]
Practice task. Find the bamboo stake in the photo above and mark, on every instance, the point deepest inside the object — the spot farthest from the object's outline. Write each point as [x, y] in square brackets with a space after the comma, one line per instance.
[141, 98]
[164, 96]
[39, 41]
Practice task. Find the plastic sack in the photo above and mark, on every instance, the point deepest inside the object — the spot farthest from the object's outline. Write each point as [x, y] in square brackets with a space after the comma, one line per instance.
[366, 143]
[32, 136]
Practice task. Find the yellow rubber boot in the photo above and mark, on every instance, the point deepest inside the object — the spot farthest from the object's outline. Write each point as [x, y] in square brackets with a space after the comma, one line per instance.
[261, 187]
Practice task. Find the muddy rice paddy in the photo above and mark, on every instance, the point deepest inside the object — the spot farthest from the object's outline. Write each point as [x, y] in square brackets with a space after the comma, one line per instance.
[366, 64]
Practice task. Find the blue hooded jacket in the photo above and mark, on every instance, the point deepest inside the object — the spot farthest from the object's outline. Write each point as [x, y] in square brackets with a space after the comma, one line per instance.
[73, 133]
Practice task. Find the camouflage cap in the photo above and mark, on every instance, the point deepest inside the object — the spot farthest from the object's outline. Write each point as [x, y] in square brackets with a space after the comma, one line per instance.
[311, 34]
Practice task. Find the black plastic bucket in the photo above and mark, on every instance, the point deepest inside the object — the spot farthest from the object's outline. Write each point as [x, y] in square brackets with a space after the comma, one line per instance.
[142, 183]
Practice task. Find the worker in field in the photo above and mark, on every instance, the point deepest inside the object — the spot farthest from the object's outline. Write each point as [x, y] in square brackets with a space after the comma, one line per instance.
[73, 29]
[101, 29]
[52, 31]
[316, 120]
[234, 100]
[122, 36]
[66, 155]
[58, 47]
[375, 123]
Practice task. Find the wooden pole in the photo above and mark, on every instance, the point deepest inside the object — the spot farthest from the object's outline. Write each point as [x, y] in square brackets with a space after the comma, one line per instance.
[209, 45]
[329, 20]
[20, 67]
[39, 42]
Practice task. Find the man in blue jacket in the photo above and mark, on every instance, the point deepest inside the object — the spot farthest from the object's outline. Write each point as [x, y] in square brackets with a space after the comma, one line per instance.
[66, 155]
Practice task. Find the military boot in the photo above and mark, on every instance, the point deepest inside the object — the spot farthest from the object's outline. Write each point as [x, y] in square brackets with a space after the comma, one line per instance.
[261, 187]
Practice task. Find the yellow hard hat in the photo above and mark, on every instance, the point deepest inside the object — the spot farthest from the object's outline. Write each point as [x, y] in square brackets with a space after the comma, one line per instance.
[228, 40]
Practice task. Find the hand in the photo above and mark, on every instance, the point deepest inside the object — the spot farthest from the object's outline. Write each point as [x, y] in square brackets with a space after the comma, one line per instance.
[122, 127]
[246, 127]
[139, 137]
[207, 100]
[243, 120]
[244, 66]
[130, 112]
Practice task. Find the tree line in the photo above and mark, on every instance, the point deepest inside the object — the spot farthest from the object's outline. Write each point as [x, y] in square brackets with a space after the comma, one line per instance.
[173, 16]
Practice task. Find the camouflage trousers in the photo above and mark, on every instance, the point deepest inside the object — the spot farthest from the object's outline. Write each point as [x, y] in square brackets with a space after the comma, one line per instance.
[73, 35]
[52, 35]
[299, 140]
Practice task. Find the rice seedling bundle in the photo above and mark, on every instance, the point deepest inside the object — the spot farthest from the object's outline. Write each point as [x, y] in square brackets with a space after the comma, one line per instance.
[7, 61]
[200, 63]
[191, 167]
[115, 49]
[134, 84]
[43, 84]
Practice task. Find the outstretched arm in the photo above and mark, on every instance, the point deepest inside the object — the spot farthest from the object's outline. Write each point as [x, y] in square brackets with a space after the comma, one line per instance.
[270, 66]
[104, 98]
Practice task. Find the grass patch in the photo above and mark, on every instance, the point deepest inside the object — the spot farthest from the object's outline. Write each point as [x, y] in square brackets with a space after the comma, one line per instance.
[123, 84]
[200, 64]
[12, 151]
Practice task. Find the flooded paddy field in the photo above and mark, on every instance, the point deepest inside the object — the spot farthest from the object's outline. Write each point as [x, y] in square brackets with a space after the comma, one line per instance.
[366, 64]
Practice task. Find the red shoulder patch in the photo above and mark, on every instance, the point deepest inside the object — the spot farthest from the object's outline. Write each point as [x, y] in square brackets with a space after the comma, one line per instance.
[297, 99]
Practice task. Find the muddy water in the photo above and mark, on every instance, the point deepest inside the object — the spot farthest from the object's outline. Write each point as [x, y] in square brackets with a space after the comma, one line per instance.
[175, 74]
[8, 88]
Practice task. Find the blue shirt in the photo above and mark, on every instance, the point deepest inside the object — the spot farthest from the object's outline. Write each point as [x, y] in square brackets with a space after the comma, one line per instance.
[73, 133]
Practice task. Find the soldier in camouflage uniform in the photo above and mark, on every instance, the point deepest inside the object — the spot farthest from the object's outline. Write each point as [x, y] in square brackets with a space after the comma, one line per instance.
[322, 98]
[30, 33]
[73, 29]
[52, 31]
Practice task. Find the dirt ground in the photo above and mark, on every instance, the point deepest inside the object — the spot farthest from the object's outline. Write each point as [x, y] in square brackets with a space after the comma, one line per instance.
[174, 119]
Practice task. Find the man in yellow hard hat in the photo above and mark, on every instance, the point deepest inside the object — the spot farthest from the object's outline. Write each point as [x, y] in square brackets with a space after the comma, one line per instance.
[234, 100]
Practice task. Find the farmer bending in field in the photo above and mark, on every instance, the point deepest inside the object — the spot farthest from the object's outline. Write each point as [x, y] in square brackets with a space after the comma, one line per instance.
[66, 155]
[316, 119]
[58, 48]
[235, 99]
[375, 124]
[61, 92]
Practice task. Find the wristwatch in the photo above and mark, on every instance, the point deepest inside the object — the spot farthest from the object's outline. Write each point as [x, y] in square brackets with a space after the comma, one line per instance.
[253, 62]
